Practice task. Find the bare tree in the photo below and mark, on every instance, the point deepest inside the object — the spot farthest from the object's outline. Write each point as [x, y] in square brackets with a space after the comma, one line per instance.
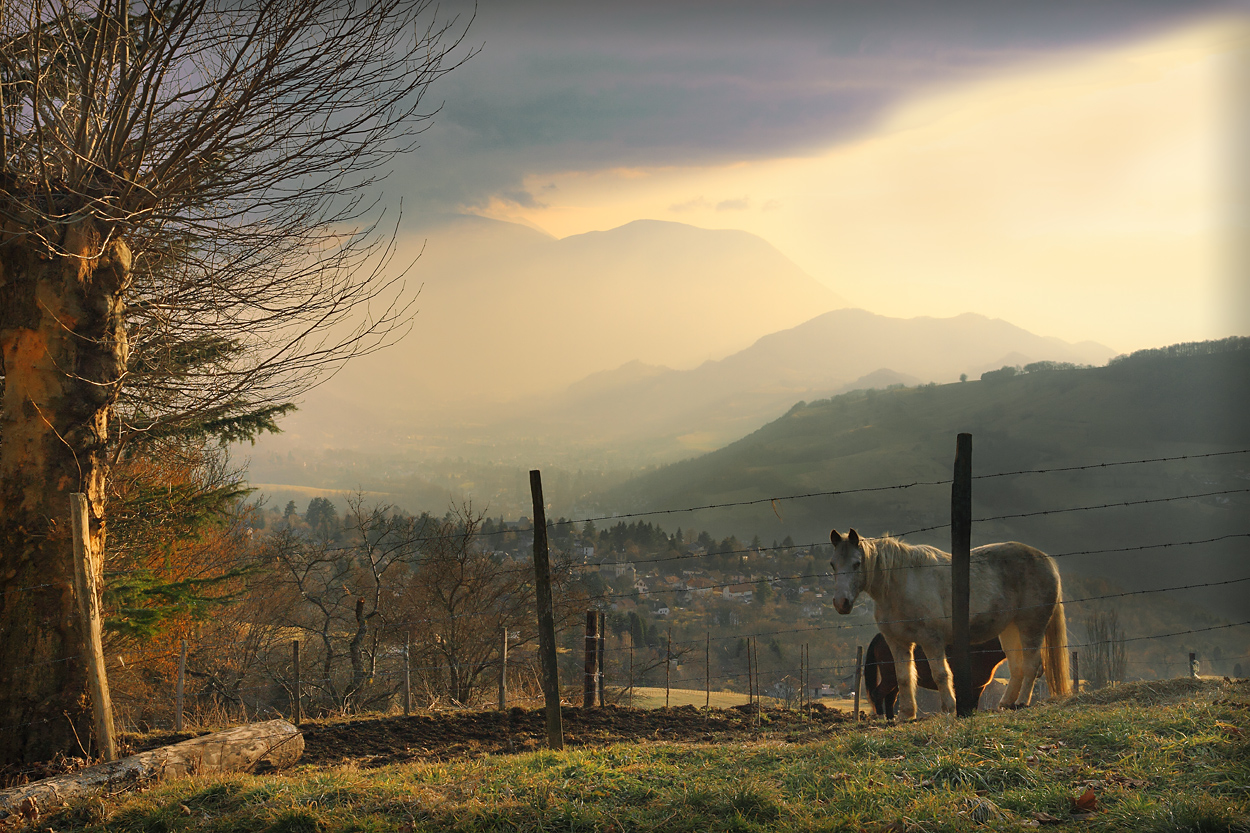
[186, 239]
[461, 598]
[1106, 648]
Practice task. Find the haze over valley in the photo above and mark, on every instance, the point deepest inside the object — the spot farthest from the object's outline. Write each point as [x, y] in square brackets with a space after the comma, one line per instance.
[670, 278]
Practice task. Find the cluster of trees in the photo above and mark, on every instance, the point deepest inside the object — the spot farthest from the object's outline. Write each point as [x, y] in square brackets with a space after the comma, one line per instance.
[188, 237]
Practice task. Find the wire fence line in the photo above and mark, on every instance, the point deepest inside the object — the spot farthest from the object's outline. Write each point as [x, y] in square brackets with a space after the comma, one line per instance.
[400, 625]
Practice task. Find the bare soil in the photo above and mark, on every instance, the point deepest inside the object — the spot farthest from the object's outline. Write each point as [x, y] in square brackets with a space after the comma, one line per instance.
[438, 736]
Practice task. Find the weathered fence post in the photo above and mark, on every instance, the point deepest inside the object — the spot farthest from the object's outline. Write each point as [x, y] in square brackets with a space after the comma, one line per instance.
[89, 611]
[503, 670]
[407, 674]
[759, 702]
[546, 618]
[603, 642]
[750, 676]
[961, 546]
[1076, 672]
[631, 669]
[297, 700]
[707, 670]
[590, 663]
[178, 690]
[1193, 666]
[859, 667]
[668, 666]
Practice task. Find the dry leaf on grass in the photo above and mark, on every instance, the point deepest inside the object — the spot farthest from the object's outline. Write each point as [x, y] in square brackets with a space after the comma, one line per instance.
[1086, 804]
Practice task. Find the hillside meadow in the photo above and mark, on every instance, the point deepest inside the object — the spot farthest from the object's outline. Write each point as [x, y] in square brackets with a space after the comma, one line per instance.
[1159, 756]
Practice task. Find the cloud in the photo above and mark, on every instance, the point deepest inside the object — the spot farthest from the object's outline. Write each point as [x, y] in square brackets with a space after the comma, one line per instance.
[689, 205]
[740, 204]
[522, 198]
[564, 86]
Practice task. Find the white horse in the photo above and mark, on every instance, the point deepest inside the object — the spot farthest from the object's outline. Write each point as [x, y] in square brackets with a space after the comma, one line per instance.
[1015, 595]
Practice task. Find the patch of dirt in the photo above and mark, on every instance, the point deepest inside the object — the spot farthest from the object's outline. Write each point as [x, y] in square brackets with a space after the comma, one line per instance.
[378, 741]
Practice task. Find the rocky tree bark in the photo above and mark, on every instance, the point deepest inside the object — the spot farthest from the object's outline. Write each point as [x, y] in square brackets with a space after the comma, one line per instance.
[185, 241]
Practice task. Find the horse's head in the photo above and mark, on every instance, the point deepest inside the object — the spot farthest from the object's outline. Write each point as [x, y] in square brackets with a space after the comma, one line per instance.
[848, 569]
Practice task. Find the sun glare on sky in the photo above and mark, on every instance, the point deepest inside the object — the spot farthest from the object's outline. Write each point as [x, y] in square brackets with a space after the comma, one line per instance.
[1084, 198]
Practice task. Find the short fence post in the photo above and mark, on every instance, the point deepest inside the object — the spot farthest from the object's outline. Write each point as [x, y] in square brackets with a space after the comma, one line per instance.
[407, 674]
[1076, 672]
[503, 671]
[668, 666]
[295, 695]
[1193, 666]
[802, 676]
[707, 670]
[750, 676]
[603, 641]
[589, 665]
[89, 611]
[631, 670]
[859, 667]
[759, 702]
[182, 676]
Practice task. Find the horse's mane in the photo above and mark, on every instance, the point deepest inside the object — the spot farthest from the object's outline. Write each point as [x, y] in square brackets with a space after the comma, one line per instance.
[890, 556]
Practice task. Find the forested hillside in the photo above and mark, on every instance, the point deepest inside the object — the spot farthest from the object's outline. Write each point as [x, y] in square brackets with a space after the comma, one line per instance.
[1187, 400]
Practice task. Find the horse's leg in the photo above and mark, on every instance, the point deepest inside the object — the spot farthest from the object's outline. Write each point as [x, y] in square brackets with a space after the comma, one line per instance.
[1032, 661]
[1010, 639]
[905, 673]
[935, 651]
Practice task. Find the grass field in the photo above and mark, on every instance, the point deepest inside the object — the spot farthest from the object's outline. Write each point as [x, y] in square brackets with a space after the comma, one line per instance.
[1160, 756]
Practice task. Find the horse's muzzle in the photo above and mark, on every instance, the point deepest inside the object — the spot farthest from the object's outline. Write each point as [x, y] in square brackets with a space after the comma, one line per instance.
[843, 606]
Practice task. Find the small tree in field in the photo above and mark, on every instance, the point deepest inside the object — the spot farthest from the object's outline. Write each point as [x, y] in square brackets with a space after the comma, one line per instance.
[184, 240]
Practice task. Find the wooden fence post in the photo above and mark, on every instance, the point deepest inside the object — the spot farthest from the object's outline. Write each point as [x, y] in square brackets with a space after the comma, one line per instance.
[546, 618]
[631, 669]
[503, 671]
[89, 610]
[707, 670]
[590, 660]
[1076, 672]
[750, 676]
[603, 642]
[668, 666]
[297, 704]
[859, 667]
[407, 673]
[961, 546]
[759, 701]
[1193, 666]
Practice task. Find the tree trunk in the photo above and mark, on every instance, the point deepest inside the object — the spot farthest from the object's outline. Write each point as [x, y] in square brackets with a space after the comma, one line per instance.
[63, 343]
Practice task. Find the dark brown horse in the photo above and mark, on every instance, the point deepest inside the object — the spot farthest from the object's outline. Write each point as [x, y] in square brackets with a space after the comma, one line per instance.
[882, 684]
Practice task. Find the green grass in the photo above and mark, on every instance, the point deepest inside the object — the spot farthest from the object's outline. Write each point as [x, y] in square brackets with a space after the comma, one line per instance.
[1157, 757]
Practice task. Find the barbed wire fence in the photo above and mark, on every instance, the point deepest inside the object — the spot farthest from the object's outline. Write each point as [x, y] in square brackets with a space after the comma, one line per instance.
[267, 683]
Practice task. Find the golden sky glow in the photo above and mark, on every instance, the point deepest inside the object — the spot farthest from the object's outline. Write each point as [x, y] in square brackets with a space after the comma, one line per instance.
[1081, 198]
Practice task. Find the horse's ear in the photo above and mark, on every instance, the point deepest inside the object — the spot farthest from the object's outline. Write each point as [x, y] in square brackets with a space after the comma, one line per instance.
[834, 537]
[853, 538]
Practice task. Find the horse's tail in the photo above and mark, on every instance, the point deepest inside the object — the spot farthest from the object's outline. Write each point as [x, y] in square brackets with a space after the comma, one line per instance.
[872, 681]
[1055, 654]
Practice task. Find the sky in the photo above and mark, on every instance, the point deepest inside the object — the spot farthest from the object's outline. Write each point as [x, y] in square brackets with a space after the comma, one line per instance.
[1071, 167]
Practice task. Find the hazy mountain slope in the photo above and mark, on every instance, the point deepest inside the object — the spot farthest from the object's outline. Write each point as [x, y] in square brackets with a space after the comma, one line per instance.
[1136, 409]
[506, 311]
[675, 413]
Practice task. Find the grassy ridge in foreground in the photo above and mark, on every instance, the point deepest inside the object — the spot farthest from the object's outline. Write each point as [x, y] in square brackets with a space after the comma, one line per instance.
[1158, 756]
